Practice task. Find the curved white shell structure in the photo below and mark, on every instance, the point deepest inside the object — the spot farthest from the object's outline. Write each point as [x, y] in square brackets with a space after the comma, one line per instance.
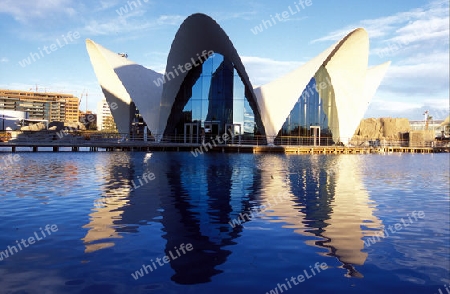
[346, 95]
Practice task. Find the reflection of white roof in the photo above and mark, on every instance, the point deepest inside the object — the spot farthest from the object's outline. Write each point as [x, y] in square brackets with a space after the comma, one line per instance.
[351, 218]
[353, 84]
[345, 62]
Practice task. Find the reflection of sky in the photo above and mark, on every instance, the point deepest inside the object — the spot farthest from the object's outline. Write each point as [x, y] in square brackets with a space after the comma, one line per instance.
[308, 111]
[198, 103]
[332, 204]
[249, 118]
[326, 198]
[404, 183]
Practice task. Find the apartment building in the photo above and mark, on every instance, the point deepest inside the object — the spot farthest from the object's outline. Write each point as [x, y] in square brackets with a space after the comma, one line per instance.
[41, 106]
[105, 120]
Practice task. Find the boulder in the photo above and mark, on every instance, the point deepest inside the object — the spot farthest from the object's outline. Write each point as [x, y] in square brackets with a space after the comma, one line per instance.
[369, 129]
[394, 128]
[381, 128]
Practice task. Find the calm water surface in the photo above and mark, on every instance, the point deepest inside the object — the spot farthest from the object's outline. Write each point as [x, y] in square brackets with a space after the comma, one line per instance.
[378, 223]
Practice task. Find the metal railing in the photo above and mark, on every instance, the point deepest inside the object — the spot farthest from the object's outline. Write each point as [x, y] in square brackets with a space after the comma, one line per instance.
[255, 140]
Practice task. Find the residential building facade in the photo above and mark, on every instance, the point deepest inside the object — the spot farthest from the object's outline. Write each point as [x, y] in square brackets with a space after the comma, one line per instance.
[51, 107]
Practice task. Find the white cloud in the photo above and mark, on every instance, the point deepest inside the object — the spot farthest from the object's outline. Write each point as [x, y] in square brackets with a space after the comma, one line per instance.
[130, 22]
[413, 110]
[104, 5]
[417, 43]
[156, 61]
[419, 75]
[395, 106]
[334, 35]
[403, 25]
[436, 103]
[223, 16]
[426, 33]
[264, 70]
[170, 19]
[115, 26]
[4, 60]
[27, 10]
[95, 27]
[423, 30]
[294, 19]
[260, 70]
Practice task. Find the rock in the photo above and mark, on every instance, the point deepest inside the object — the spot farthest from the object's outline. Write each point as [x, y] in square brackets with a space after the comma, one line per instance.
[394, 128]
[381, 128]
[369, 129]
[34, 127]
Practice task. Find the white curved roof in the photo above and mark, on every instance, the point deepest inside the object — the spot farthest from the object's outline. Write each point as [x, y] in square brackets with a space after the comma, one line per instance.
[346, 63]
[111, 85]
[121, 79]
[347, 68]
[276, 99]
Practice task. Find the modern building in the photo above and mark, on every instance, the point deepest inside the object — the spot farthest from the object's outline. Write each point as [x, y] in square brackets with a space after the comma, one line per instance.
[50, 107]
[105, 120]
[206, 90]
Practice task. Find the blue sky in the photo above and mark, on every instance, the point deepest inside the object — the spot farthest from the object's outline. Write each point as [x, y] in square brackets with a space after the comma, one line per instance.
[51, 34]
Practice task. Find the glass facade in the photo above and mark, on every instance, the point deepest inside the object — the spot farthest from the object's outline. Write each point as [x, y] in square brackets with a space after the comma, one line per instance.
[314, 112]
[211, 101]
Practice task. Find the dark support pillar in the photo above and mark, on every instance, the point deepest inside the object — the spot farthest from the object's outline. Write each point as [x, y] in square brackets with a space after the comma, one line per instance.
[55, 148]
[35, 148]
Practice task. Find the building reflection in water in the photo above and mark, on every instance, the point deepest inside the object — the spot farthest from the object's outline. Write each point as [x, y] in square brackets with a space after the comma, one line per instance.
[327, 200]
[115, 191]
[205, 196]
[194, 199]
